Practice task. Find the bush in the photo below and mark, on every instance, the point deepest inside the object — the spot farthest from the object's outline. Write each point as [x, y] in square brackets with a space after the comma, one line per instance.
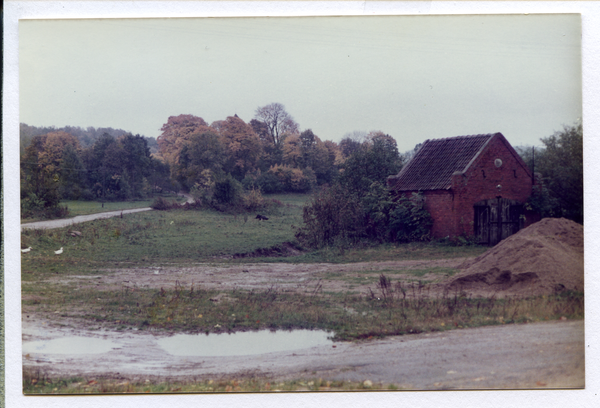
[227, 191]
[269, 183]
[542, 202]
[87, 195]
[336, 217]
[409, 220]
[162, 204]
[48, 213]
[253, 200]
[290, 179]
[331, 218]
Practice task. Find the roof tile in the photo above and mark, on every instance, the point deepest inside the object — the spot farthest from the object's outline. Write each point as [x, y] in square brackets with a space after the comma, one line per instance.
[433, 165]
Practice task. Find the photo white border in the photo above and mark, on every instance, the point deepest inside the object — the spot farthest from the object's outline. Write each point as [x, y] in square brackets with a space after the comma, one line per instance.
[15, 10]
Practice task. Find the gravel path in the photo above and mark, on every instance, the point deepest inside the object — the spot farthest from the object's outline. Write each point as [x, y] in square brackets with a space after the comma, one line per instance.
[80, 218]
[90, 217]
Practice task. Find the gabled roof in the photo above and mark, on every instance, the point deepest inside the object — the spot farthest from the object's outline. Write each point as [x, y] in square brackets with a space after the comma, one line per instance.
[433, 165]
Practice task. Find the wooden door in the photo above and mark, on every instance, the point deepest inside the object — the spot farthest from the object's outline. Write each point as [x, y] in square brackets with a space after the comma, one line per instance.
[497, 219]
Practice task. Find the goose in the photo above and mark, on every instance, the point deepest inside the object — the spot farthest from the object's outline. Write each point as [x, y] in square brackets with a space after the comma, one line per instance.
[24, 250]
[60, 251]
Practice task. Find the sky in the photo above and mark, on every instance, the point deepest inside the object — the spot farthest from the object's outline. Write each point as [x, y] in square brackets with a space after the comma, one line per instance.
[413, 77]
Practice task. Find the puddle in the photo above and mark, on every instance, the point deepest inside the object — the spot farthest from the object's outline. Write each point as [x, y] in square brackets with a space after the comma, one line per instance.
[69, 345]
[242, 343]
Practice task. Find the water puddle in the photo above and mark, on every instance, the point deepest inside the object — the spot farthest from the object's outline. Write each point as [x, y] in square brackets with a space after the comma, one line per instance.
[69, 345]
[242, 343]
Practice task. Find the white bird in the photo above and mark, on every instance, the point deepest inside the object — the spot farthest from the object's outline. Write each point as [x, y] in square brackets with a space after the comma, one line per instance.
[26, 250]
[59, 251]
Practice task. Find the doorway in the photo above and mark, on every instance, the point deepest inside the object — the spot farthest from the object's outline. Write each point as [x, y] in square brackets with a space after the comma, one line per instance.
[497, 219]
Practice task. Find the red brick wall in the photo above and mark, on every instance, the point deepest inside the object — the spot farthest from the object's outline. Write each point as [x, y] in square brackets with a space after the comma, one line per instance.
[452, 210]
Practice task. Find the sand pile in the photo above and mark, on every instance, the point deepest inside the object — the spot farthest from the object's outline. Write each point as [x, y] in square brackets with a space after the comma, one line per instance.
[544, 258]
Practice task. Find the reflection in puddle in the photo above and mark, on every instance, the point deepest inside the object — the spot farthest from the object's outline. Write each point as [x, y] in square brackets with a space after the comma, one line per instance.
[242, 343]
[69, 345]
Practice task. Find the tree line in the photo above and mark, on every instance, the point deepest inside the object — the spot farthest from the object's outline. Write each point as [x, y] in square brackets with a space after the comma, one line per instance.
[55, 166]
[270, 154]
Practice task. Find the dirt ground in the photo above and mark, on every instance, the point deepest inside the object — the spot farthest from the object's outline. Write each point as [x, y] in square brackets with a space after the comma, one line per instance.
[356, 277]
[543, 259]
[537, 355]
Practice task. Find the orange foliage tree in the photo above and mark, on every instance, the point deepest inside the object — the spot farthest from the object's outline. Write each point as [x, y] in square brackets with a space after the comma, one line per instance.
[176, 132]
[242, 145]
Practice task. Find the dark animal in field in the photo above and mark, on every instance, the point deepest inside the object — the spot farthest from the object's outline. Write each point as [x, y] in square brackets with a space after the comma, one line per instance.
[261, 217]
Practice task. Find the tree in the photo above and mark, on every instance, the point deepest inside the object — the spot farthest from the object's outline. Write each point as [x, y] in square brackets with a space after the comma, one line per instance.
[278, 122]
[376, 159]
[72, 174]
[202, 151]
[292, 151]
[175, 134]
[307, 151]
[39, 182]
[53, 147]
[561, 166]
[136, 165]
[242, 145]
[351, 142]
[160, 175]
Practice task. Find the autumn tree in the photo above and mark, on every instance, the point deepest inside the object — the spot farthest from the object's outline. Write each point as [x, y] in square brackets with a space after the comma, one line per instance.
[39, 182]
[176, 132]
[308, 151]
[53, 147]
[242, 146]
[292, 151]
[46, 161]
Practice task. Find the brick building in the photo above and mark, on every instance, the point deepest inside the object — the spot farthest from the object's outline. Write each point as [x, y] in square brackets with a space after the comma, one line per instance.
[473, 185]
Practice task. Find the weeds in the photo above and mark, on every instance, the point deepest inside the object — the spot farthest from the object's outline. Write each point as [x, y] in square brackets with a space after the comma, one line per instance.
[98, 385]
[389, 309]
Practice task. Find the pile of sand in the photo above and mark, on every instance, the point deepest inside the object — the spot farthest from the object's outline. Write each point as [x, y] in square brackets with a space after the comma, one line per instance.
[544, 258]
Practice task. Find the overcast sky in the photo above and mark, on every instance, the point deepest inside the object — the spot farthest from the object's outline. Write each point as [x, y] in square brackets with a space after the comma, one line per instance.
[413, 77]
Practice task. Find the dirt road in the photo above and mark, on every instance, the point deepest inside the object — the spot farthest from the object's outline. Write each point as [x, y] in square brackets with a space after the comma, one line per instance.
[80, 218]
[540, 355]
[90, 217]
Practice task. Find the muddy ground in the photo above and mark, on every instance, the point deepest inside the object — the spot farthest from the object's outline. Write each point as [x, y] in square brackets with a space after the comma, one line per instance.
[541, 355]
[513, 356]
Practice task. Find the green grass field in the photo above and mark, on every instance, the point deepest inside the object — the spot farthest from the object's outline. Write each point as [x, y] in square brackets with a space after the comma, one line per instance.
[170, 236]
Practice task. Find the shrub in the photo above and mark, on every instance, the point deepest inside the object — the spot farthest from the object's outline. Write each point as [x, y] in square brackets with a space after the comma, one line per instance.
[335, 216]
[162, 204]
[269, 183]
[227, 191]
[291, 179]
[542, 203]
[409, 220]
[331, 217]
[253, 200]
[203, 188]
